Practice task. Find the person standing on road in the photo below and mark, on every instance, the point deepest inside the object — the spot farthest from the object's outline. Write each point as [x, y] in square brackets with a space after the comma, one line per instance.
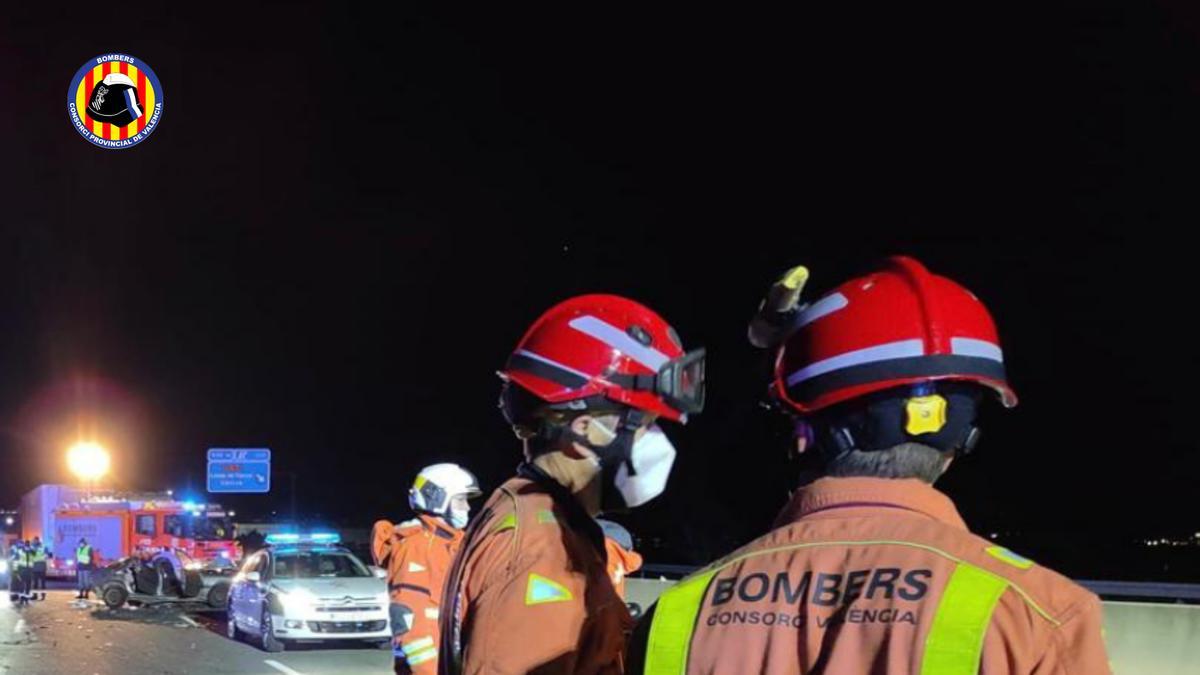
[169, 565]
[869, 568]
[583, 391]
[417, 555]
[39, 554]
[24, 571]
[84, 562]
[15, 562]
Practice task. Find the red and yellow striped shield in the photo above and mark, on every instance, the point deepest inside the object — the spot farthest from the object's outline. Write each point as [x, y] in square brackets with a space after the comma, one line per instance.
[149, 99]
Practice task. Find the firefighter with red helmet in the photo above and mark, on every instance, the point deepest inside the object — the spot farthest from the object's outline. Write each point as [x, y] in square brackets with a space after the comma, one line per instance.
[870, 569]
[584, 391]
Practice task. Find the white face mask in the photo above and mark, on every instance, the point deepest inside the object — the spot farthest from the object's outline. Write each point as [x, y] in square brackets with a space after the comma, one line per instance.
[458, 517]
[652, 456]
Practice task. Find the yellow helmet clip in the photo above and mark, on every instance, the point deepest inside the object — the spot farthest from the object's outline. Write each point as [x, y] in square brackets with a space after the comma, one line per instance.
[926, 414]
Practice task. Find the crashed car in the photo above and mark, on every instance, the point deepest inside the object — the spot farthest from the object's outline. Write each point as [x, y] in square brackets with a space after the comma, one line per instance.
[138, 581]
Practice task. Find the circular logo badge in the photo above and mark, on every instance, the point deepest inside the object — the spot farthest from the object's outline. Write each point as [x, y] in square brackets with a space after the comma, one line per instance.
[115, 101]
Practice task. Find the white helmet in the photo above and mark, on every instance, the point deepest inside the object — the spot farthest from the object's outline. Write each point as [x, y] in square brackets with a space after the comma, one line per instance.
[436, 485]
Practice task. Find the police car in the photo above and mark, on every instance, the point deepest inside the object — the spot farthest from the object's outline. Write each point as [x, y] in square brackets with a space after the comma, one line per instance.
[307, 588]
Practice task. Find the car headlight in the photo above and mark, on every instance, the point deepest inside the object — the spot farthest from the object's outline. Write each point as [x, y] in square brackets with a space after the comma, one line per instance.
[194, 566]
[297, 600]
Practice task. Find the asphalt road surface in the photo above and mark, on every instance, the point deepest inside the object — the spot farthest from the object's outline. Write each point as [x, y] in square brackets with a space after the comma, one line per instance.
[54, 637]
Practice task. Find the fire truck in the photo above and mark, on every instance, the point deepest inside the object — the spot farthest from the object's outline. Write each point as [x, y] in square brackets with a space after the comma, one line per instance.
[117, 525]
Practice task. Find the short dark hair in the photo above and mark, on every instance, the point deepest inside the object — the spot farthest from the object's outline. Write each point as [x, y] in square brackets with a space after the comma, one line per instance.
[907, 460]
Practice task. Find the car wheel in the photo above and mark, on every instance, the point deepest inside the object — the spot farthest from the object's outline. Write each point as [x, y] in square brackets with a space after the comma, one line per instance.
[114, 596]
[218, 596]
[269, 642]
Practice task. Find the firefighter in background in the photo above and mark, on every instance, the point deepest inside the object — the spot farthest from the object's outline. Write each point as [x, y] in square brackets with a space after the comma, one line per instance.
[39, 555]
[417, 555]
[171, 573]
[85, 562]
[869, 568]
[622, 559]
[23, 569]
[17, 560]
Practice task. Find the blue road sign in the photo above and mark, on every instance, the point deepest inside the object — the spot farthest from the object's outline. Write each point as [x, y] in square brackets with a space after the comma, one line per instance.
[246, 470]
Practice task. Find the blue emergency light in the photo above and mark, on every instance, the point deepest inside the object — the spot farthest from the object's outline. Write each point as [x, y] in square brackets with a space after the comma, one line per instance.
[312, 538]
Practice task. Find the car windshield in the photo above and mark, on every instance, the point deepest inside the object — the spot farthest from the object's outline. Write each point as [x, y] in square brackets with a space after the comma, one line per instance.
[318, 565]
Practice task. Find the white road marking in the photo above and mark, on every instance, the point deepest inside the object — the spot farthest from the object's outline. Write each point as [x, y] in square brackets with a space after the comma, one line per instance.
[191, 622]
[282, 668]
[20, 627]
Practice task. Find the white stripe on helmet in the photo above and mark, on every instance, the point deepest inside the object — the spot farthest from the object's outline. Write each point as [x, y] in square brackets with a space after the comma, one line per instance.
[621, 341]
[884, 352]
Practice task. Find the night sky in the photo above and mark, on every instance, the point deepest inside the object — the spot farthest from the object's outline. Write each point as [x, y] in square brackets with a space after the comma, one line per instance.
[346, 219]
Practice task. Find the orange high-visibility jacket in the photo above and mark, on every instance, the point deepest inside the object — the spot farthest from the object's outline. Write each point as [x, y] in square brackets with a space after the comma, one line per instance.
[872, 577]
[417, 556]
[530, 593]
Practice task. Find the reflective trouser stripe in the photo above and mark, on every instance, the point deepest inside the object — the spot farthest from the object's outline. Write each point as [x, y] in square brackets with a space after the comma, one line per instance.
[674, 620]
[411, 648]
[422, 656]
[954, 645]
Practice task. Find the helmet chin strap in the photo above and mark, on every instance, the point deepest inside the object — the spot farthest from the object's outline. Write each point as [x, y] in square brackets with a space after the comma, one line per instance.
[616, 452]
[618, 446]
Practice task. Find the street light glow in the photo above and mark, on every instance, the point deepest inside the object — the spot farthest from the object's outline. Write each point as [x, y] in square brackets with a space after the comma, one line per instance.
[8, 521]
[88, 460]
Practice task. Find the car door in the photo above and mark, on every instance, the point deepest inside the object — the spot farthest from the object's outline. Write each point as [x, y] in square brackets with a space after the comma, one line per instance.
[236, 590]
[243, 592]
[256, 592]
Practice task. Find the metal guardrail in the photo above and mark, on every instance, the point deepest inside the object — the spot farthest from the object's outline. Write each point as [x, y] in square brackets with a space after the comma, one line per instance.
[1141, 590]
[1145, 590]
[669, 571]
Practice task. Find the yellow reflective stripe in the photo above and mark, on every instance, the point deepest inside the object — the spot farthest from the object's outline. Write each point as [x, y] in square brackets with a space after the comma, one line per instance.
[955, 641]
[509, 522]
[674, 620]
[546, 517]
[422, 657]
[417, 645]
[1004, 555]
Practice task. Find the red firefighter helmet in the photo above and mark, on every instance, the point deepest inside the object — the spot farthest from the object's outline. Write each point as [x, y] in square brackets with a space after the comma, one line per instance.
[610, 347]
[900, 325]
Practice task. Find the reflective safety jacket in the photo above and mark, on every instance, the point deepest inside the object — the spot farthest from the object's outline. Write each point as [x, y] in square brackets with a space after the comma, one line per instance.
[416, 555]
[872, 577]
[529, 593]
